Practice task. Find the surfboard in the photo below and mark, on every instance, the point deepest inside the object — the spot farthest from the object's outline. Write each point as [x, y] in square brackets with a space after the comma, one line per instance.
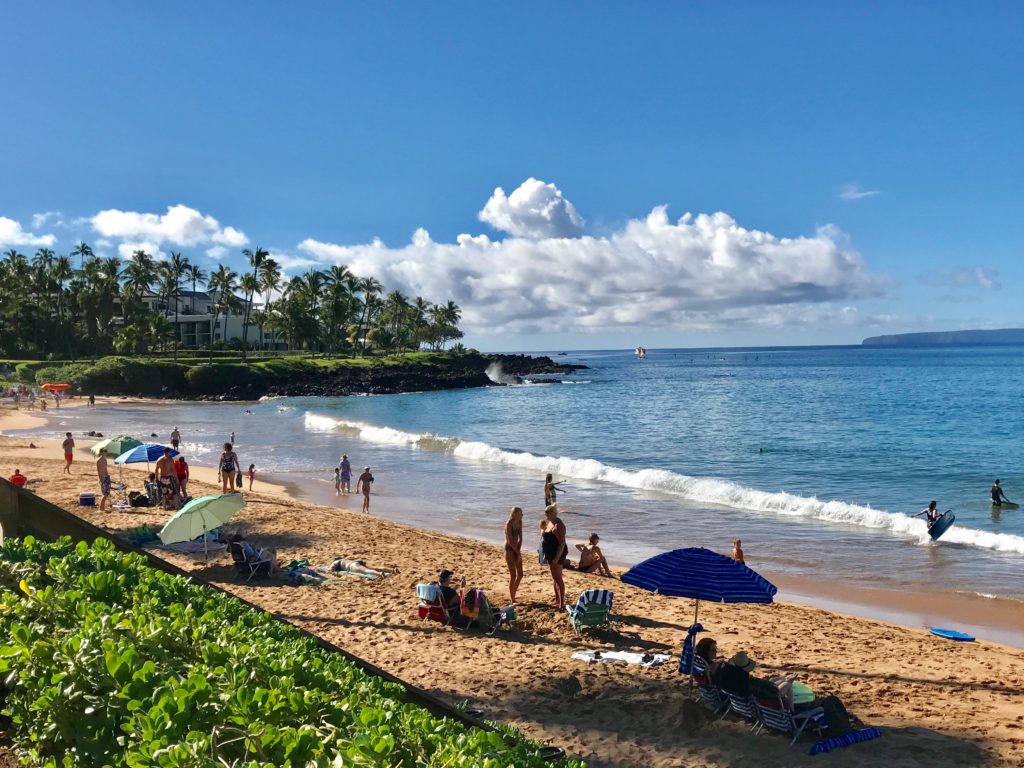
[941, 525]
[1006, 505]
[952, 634]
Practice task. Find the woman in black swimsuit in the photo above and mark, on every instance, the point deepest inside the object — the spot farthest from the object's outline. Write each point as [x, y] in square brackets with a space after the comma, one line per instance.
[228, 468]
[553, 542]
[513, 550]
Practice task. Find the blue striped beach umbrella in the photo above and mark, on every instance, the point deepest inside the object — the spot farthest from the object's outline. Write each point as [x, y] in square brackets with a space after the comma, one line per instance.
[703, 575]
[146, 452]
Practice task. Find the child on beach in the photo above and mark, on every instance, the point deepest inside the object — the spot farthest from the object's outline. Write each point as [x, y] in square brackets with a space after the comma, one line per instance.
[737, 551]
[69, 452]
[252, 474]
[337, 481]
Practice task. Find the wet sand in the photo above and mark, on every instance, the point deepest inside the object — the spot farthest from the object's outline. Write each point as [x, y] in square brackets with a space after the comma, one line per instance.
[939, 703]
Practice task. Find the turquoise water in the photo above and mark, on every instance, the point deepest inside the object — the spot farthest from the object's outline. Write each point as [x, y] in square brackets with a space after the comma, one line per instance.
[815, 457]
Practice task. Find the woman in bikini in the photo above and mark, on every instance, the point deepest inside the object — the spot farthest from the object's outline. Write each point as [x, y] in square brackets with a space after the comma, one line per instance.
[343, 564]
[228, 468]
[513, 550]
[553, 542]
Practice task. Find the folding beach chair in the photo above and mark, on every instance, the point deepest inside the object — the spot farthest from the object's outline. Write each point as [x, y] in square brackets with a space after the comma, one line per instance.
[478, 609]
[746, 707]
[433, 608]
[593, 609]
[785, 721]
[707, 691]
[246, 567]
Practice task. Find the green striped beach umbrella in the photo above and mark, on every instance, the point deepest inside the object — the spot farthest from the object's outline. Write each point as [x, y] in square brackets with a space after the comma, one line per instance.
[115, 445]
[199, 516]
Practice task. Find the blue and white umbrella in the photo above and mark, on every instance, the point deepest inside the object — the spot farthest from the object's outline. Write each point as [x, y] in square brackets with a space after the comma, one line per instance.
[146, 452]
[703, 575]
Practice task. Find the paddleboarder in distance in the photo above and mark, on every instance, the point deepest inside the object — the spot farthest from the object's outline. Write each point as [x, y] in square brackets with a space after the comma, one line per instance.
[998, 497]
[931, 511]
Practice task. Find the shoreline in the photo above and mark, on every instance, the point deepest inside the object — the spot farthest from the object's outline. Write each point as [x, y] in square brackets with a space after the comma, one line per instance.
[937, 702]
[998, 619]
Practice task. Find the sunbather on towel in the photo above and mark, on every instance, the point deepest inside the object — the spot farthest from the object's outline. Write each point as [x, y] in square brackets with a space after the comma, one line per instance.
[343, 564]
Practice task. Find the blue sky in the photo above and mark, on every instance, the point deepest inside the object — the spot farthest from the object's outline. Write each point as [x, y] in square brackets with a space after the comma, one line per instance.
[314, 129]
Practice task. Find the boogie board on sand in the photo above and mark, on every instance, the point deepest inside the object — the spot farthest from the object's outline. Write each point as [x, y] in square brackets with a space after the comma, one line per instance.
[952, 634]
[940, 526]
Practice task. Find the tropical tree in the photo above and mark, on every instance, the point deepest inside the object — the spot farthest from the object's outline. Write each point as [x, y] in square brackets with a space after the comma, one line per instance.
[173, 271]
[256, 258]
[83, 252]
[269, 284]
[194, 274]
[225, 282]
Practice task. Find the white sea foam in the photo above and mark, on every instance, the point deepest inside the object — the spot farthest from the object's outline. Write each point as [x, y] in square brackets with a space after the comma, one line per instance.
[706, 490]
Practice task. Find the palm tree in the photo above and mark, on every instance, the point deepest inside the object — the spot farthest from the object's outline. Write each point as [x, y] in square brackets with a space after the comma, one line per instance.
[225, 282]
[256, 259]
[62, 273]
[339, 302]
[174, 271]
[194, 273]
[270, 283]
[370, 287]
[83, 251]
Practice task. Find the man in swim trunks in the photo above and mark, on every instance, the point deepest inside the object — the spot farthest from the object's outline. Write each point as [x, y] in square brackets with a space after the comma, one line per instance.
[168, 480]
[363, 484]
[175, 438]
[998, 497]
[69, 452]
[104, 475]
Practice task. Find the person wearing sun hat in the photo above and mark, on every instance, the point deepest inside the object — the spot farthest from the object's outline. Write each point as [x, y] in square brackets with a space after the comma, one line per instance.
[734, 677]
[742, 661]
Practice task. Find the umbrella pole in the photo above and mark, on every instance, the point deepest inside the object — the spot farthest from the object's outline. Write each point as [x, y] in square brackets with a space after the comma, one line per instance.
[206, 546]
[696, 608]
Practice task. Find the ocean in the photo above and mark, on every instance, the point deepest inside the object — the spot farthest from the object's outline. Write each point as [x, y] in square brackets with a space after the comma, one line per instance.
[814, 457]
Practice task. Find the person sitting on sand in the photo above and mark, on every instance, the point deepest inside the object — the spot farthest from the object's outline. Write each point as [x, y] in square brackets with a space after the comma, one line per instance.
[343, 564]
[931, 512]
[737, 551]
[591, 558]
[998, 497]
[17, 479]
[451, 598]
[257, 554]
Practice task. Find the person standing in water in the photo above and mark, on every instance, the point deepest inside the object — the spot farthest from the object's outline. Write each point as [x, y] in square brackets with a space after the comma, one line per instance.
[931, 512]
[363, 484]
[346, 474]
[175, 438]
[998, 497]
[737, 551]
[514, 550]
[551, 490]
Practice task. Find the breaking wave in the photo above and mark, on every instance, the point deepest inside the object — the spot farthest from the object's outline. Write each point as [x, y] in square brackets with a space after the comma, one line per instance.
[706, 490]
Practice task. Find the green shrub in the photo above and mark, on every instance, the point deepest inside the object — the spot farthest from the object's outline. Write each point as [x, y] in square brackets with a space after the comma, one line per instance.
[109, 662]
[26, 372]
[218, 378]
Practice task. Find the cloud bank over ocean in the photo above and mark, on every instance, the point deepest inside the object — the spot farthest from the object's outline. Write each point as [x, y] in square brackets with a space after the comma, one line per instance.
[699, 271]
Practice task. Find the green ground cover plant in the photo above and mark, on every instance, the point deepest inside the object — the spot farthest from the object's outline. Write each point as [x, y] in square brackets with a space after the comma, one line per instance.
[105, 661]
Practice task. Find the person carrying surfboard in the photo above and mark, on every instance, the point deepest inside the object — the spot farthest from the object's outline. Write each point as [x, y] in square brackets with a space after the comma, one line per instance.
[931, 511]
[998, 497]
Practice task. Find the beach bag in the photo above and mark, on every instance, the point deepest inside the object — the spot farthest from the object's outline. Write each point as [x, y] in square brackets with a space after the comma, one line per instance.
[540, 554]
[840, 721]
[238, 479]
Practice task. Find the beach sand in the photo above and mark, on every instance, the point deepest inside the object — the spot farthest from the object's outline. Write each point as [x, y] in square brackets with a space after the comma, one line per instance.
[938, 702]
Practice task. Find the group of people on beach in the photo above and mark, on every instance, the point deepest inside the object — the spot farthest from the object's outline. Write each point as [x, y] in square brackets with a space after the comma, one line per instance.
[553, 550]
[31, 397]
[343, 481]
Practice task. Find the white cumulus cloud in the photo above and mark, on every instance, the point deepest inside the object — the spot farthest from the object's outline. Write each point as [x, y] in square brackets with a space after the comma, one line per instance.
[534, 210]
[180, 226]
[11, 235]
[699, 271]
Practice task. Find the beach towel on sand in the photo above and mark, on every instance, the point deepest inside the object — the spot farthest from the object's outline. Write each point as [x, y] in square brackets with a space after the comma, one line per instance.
[853, 737]
[622, 657]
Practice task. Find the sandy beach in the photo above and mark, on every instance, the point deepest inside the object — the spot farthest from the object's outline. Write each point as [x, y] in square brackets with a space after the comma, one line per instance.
[939, 703]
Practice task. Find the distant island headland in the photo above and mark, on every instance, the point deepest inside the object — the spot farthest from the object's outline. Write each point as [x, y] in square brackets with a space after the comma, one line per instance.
[947, 338]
